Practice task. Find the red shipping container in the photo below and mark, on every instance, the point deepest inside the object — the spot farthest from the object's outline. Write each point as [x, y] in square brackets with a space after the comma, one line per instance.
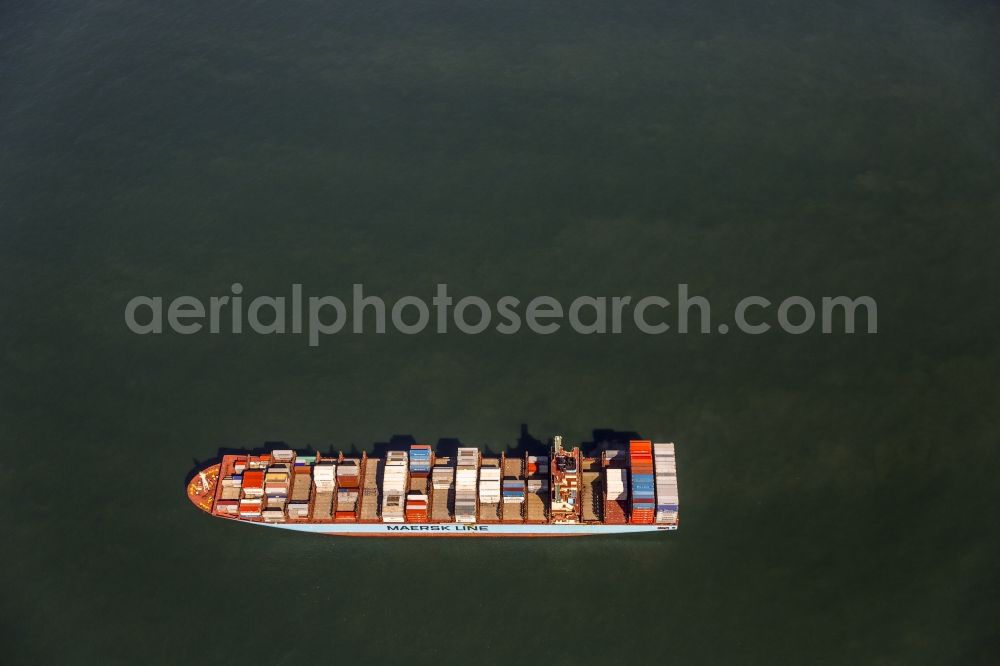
[253, 479]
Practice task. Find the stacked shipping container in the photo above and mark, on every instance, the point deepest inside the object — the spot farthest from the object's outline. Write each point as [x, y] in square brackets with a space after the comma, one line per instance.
[276, 481]
[513, 500]
[252, 501]
[325, 480]
[276, 485]
[537, 488]
[258, 462]
[298, 506]
[250, 507]
[228, 501]
[349, 473]
[394, 481]
[345, 509]
[466, 473]
[253, 484]
[489, 490]
[274, 513]
[420, 460]
[513, 491]
[231, 487]
[443, 484]
[615, 494]
[538, 465]
[643, 494]
[489, 483]
[416, 498]
[667, 500]
[416, 507]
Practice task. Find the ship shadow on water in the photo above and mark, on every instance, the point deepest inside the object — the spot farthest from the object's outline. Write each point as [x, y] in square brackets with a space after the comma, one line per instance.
[603, 438]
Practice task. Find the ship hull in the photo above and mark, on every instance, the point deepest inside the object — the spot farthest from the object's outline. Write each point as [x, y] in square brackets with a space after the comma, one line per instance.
[365, 497]
[461, 530]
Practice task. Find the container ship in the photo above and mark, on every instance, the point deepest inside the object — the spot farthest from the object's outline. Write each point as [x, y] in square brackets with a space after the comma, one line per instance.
[413, 492]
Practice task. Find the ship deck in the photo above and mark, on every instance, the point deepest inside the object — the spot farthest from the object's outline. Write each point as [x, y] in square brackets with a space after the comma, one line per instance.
[442, 500]
[368, 512]
[591, 491]
[220, 490]
[513, 512]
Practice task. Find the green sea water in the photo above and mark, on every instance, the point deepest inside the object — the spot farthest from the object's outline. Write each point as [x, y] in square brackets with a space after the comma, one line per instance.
[837, 490]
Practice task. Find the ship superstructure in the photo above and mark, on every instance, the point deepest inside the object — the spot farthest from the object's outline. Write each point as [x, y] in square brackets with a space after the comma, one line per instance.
[413, 492]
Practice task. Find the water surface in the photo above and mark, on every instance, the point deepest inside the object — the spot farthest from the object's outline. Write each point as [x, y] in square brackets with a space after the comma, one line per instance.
[836, 490]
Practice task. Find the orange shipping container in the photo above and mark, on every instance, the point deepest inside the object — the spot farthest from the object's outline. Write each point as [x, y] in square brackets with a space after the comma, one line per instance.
[253, 479]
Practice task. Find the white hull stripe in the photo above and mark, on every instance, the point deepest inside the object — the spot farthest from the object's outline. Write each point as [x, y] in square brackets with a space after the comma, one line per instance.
[455, 529]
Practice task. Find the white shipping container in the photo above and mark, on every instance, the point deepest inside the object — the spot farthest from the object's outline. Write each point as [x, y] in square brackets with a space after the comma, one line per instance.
[349, 467]
[664, 448]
